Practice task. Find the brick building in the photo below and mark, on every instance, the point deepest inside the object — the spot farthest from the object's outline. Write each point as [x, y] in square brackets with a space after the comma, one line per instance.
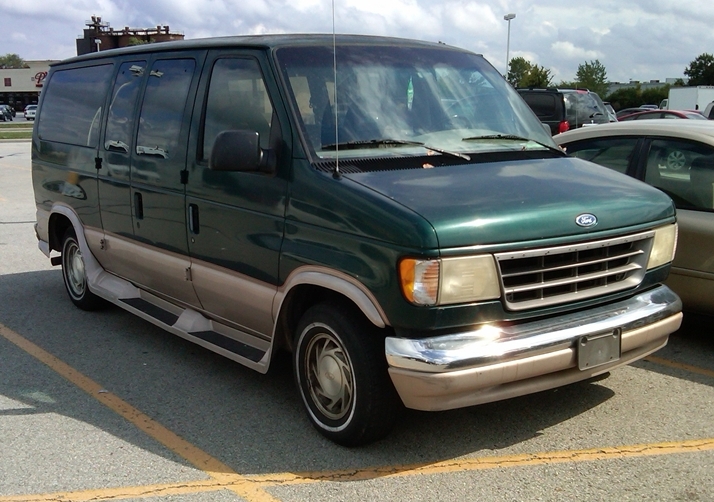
[100, 36]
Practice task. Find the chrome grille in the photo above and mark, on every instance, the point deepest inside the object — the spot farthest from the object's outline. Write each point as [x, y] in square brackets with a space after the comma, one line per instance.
[551, 276]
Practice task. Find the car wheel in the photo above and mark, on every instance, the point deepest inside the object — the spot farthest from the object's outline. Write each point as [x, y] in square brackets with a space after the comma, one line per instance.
[75, 275]
[341, 373]
[676, 160]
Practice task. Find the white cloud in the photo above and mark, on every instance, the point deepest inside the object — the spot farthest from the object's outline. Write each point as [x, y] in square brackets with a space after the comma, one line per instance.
[635, 39]
[570, 51]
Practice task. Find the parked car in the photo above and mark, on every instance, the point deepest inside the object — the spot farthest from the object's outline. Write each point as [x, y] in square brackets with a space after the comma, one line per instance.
[30, 112]
[677, 158]
[549, 107]
[419, 242]
[565, 109]
[5, 113]
[663, 114]
[611, 115]
[629, 111]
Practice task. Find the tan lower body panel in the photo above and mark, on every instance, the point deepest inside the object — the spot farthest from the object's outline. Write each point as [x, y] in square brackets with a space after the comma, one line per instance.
[696, 289]
[504, 380]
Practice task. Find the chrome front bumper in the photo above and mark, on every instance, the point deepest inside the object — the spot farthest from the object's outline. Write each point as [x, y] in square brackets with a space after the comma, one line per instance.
[494, 363]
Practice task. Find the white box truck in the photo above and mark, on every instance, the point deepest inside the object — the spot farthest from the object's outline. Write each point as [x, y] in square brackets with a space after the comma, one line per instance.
[690, 98]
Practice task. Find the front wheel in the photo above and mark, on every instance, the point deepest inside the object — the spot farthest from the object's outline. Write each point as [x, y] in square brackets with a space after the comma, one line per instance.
[341, 373]
[75, 275]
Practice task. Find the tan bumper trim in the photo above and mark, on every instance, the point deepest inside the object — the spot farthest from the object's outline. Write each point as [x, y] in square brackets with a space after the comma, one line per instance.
[504, 380]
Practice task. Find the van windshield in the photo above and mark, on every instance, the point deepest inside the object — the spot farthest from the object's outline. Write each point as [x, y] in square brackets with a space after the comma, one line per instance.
[405, 100]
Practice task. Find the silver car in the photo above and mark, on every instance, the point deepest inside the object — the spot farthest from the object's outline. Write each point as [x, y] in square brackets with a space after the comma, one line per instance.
[676, 156]
[30, 112]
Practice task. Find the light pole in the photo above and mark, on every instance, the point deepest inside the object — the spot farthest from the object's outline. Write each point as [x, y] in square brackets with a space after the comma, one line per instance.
[508, 18]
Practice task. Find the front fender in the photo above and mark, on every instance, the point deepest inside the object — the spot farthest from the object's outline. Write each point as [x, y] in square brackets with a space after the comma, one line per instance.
[335, 281]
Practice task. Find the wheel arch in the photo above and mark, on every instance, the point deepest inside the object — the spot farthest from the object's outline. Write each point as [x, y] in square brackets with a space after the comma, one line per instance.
[310, 286]
[61, 218]
[58, 224]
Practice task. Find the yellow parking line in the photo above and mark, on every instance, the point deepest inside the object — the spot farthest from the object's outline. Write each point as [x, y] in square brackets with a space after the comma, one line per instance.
[483, 463]
[680, 366]
[448, 466]
[202, 460]
[252, 487]
[129, 492]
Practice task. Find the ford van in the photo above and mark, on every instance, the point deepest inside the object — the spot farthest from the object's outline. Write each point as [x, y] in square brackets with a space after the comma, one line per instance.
[388, 211]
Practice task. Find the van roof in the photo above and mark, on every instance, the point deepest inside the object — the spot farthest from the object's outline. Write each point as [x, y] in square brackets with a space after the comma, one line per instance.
[257, 41]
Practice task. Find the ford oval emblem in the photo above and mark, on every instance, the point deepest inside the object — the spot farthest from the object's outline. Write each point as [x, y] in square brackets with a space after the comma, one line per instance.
[586, 220]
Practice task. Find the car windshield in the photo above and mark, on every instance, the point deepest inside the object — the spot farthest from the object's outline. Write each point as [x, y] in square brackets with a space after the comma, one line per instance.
[405, 100]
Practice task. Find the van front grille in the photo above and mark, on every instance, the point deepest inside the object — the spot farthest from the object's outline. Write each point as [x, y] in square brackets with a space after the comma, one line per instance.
[551, 276]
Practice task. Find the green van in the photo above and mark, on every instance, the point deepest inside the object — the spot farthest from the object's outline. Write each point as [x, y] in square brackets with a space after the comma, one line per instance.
[389, 211]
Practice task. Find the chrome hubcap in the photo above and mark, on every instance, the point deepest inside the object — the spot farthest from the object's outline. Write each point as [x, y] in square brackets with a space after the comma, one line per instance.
[74, 270]
[329, 376]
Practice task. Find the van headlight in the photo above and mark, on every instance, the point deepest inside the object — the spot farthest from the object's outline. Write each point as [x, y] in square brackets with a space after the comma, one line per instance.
[664, 246]
[448, 281]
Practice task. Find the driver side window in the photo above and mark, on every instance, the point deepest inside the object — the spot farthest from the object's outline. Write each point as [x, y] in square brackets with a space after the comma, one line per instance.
[237, 100]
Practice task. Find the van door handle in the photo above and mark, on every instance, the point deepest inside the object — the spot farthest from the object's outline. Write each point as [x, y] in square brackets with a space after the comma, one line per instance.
[138, 206]
[193, 225]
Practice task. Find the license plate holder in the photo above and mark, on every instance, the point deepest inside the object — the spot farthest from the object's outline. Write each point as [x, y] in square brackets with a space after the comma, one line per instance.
[596, 350]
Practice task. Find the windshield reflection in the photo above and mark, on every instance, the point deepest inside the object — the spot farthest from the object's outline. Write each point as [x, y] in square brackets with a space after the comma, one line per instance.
[404, 100]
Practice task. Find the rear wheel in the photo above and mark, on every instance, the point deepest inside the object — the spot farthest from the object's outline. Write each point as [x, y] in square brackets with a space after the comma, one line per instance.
[341, 373]
[75, 275]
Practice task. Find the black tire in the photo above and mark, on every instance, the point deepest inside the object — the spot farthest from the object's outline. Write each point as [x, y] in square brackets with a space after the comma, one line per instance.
[75, 276]
[341, 373]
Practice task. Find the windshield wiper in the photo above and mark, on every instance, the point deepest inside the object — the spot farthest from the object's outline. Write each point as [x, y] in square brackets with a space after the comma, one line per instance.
[377, 143]
[369, 143]
[512, 137]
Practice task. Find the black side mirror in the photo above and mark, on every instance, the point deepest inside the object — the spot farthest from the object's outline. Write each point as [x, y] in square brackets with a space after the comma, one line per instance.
[240, 150]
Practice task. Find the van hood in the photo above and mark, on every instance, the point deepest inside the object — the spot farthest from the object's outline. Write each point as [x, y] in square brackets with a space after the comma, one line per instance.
[515, 201]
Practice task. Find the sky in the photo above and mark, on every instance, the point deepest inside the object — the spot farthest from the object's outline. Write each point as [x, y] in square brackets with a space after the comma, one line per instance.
[634, 39]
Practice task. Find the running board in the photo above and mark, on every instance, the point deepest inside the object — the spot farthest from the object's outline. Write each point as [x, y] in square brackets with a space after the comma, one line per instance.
[242, 347]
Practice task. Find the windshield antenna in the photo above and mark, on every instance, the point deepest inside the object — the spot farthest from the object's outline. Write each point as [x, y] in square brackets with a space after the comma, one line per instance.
[336, 173]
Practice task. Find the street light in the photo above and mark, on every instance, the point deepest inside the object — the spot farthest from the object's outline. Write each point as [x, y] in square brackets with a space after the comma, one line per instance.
[508, 18]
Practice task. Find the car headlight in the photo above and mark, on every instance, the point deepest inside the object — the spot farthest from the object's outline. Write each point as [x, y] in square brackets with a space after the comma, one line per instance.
[664, 246]
[449, 280]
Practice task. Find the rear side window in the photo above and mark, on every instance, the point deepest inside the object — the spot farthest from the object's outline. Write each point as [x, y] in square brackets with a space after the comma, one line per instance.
[121, 108]
[545, 106]
[72, 105]
[684, 170]
[163, 108]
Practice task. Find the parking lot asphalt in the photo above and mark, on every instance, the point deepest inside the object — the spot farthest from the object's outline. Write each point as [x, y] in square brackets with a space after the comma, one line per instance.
[104, 406]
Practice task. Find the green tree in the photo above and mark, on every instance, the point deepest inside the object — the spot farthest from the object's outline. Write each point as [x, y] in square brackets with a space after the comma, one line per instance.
[632, 97]
[139, 41]
[655, 95]
[12, 61]
[537, 76]
[701, 70]
[564, 84]
[592, 75]
[627, 97]
[518, 68]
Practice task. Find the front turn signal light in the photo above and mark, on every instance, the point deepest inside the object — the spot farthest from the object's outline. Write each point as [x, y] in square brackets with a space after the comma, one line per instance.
[419, 280]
